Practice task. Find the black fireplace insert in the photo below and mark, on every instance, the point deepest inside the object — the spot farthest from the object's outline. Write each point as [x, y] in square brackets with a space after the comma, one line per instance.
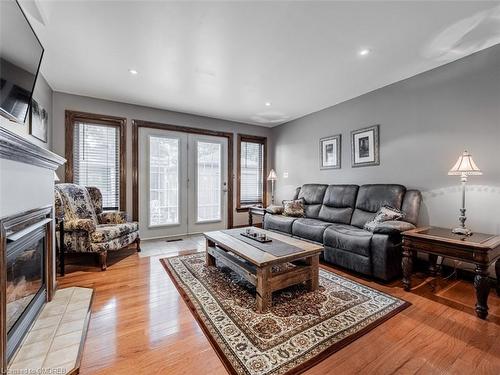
[24, 257]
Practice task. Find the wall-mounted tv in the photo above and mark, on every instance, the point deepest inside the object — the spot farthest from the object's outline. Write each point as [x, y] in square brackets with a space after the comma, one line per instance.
[20, 57]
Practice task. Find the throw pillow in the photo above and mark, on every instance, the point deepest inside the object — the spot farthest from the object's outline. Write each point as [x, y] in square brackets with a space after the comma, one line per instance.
[294, 208]
[275, 209]
[385, 213]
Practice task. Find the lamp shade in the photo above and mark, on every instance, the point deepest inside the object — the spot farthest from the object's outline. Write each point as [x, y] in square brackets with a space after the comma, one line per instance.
[465, 166]
[272, 175]
[56, 178]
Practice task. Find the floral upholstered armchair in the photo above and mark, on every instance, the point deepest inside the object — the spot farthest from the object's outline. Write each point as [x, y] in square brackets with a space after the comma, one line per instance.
[89, 229]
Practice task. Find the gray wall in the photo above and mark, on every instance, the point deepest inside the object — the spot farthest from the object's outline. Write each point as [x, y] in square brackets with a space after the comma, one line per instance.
[43, 95]
[425, 123]
[62, 102]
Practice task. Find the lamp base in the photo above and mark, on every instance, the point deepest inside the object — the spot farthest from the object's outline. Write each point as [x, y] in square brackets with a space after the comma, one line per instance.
[462, 231]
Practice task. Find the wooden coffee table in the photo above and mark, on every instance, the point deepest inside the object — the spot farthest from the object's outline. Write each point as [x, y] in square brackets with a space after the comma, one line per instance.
[255, 265]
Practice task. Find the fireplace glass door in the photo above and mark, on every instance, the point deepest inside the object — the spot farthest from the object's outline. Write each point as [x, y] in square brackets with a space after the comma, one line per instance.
[25, 280]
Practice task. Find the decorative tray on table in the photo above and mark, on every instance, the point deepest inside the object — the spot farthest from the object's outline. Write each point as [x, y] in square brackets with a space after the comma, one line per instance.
[256, 236]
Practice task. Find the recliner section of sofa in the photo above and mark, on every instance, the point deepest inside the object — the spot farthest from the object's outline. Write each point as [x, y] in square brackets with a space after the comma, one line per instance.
[335, 216]
[310, 229]
[312, 195]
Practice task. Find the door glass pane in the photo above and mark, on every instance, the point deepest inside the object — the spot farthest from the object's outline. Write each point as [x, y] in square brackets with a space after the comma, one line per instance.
[163, 181]
[208, 181]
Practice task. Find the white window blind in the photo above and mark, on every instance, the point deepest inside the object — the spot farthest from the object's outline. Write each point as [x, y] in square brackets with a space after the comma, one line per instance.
[252, 173]
[96, 160]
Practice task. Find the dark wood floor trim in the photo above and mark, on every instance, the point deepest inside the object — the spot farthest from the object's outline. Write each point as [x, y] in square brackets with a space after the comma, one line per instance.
[136, 124]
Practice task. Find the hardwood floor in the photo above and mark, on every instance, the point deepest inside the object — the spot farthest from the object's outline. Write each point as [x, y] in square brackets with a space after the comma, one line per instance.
[141, 325]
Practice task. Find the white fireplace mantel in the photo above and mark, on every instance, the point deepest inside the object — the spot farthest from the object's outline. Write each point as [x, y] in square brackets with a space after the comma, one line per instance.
[26, 174]
[26, 185]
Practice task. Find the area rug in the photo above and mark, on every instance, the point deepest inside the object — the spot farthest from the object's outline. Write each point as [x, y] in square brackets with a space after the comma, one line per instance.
[299, 330]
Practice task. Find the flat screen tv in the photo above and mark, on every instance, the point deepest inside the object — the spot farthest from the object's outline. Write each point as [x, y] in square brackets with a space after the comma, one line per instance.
[20, 57]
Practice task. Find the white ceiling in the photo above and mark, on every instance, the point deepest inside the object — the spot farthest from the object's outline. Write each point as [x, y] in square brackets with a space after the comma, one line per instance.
[227, 59]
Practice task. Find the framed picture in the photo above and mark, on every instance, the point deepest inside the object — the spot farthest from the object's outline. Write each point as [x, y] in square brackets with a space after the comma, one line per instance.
[365, 147]
[329, 152]
[39, 119]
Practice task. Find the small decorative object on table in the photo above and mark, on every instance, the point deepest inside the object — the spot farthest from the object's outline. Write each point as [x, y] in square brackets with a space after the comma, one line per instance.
[464, 167]
[257, 236]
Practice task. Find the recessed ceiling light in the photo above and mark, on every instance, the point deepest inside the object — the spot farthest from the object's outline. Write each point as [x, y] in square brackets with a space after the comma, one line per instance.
[364, 52]
[133, 71]
[268, 104]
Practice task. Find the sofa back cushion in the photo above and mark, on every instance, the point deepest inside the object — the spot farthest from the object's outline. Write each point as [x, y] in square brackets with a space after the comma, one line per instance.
[312, 195]
[96, 198]
[411, 206]
[76, 202]
[338, 203]
[371, 197]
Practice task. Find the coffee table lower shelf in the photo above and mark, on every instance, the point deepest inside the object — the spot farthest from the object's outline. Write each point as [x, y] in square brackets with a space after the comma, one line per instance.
[262, 277]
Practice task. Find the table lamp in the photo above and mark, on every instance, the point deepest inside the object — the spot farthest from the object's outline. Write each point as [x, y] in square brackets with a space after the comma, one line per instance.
[272, 177]
[464, 167]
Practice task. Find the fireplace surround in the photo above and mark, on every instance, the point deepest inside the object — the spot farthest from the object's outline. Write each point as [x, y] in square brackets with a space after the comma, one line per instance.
[27, 262]
[25, 249]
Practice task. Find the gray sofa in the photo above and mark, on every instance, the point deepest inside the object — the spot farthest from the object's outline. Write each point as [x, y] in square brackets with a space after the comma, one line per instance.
[335, 216]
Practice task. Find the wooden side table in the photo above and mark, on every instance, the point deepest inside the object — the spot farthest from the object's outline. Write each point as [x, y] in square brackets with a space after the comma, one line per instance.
[255, 211]
[479, 249]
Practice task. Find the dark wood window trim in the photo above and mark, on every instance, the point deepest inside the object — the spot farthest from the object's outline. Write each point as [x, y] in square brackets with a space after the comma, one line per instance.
[136, 124]
[71, 117]
[254, 139]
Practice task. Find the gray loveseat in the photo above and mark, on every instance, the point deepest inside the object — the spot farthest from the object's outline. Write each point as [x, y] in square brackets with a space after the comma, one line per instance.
[335, 216]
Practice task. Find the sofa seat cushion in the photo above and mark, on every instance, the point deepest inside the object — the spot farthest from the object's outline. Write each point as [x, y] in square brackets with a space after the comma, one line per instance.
[279, 223]
[108, 232]
[348, 238]
[310, 229]
[114, 244]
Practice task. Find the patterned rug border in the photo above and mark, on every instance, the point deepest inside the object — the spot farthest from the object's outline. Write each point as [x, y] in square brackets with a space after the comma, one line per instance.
[302, 367]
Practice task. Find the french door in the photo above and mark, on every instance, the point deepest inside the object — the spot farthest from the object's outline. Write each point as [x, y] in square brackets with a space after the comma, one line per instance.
[182, 183]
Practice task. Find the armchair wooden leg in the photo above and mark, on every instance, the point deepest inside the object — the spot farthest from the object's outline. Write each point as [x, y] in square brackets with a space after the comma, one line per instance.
[103, 256]
[138, 243]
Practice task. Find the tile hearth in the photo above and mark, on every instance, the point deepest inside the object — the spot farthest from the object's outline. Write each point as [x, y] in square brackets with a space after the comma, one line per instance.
[56, 339]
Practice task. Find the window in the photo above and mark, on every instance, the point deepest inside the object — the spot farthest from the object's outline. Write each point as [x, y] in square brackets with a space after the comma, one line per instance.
[163, 181]
[251, 170]
[209, 159]
[95, 150]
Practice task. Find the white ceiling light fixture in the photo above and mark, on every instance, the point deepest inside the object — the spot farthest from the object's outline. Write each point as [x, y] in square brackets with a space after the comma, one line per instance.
[364, 52]
[267, 104]
[133, 71]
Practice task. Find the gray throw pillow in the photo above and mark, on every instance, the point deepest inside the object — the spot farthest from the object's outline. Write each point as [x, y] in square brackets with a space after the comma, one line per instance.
[385, 213]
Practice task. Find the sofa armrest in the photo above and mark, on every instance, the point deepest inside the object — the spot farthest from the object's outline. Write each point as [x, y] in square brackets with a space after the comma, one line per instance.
[392, 227]
[86, 225]
[112, 217]
[274, 209]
